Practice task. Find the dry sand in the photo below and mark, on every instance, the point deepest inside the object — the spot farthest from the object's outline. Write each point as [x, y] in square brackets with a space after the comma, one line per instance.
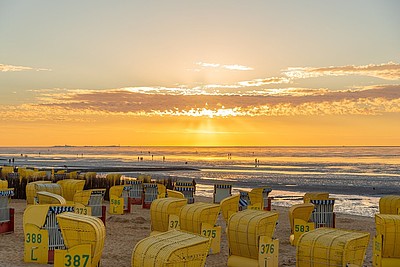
[124, 231]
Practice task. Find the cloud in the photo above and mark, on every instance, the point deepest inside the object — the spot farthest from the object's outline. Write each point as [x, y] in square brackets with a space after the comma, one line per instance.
[236, 67]
[205, 65]
[10, 68]
[387, 71]
[266, 81]
[92, 105]
[245, 98]
[6, 68]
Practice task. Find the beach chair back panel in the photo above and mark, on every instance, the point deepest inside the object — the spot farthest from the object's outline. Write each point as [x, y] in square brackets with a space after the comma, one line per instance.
[323, 215]
[119, 194]
[229, 206]
[60, 176]
[70, 187]
[171, 249]
[5, 194]
[96, 201]
[92, 198]
[181, 183]
[260, 195]
[221, 191]
[136, 191]
[389, 204]
[78, 229]
[331, 247]
[31, 190]
[192, 216]
[315, 195]
[56, 240]
[3, 184]
[246, 227]
[161, 209]
[150, 194]
[187, 191]
[300, 211]
[44, 197]
[5, 170]
[388, 225]
[175, 194]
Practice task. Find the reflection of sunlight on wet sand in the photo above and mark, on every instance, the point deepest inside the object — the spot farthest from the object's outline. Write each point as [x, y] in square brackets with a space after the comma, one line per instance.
[355, 205]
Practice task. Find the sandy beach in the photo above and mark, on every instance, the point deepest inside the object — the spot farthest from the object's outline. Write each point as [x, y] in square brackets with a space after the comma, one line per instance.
[124, 231]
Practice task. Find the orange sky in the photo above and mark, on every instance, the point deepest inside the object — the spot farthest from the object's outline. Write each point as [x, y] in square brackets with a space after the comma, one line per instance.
[204, 73]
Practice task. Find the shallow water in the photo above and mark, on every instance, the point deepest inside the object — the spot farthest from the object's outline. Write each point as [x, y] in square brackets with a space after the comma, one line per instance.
[355, 176]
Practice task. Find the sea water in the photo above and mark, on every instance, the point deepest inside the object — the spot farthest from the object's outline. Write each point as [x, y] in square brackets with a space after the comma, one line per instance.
[355, 176]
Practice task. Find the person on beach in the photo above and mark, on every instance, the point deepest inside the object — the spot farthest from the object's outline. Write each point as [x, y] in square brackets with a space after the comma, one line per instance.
[194, 185]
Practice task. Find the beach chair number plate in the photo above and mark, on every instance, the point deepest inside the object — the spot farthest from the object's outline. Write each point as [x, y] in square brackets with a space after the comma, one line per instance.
[173, 222]
[78, 256]
[82, 209]
[213, 232]
[301, 227]
[116, 205]
[36, 244]
[268, 252]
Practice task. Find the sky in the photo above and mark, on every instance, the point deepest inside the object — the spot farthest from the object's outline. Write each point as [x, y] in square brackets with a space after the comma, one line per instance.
[200, 73]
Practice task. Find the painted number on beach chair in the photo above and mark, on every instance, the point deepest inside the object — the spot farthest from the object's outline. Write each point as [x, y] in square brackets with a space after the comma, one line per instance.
[301, 228]
[173, 222]
[209, 233]
[82, 211]
[76, 260]
[116, 205]
[115, 201]
[256, 206]
[214, 233]
[267, 249]
[33, 238]
[36, 244]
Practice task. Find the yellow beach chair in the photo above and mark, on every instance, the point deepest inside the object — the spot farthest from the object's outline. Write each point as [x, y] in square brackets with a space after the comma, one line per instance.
[389, 204]
[299, 218]
[164, 214]
[83, 237]
[187, 191]
[250, 239]
[323, 215]
[136, 193]
[5, 170]
[3, 184]
[328, 247]
[119, 199]
[6, 213]
[201, 218]
[42, 232]
[229, 206]
[221, 191]
[386, 248]
[44, 197]
[33, 187]
[315, 195]
[171, 249]
[259, 197]
[152, 191]
[175, 194]
[70, 187]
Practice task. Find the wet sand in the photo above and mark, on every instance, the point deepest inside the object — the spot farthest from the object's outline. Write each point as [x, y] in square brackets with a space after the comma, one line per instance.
[124, 231]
